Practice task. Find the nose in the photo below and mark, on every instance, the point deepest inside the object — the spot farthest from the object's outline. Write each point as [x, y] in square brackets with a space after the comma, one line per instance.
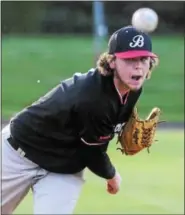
[138, 64]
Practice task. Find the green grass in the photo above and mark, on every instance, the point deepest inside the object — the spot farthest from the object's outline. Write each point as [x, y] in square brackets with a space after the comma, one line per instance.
[51, 59]
[152, 183]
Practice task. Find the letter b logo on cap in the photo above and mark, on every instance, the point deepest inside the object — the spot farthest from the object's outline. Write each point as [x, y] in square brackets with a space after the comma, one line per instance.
[137, 41]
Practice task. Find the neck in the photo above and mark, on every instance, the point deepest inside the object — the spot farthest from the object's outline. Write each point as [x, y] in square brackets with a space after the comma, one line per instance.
[120, 86]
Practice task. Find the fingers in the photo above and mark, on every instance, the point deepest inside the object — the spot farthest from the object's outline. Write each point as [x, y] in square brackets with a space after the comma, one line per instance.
[113, 185]
[112, 190]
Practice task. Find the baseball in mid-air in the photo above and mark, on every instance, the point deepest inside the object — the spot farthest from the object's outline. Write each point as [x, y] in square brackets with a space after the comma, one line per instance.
[145, 19]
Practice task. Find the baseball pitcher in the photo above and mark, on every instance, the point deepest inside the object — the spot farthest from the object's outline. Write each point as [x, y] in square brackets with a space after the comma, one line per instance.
[47, 146]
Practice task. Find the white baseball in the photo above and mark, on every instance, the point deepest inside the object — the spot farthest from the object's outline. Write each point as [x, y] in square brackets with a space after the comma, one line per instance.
[145, 19]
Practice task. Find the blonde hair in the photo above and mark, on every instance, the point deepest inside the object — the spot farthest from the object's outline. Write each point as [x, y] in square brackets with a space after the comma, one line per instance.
[105, 59]
[154, 62]
[103, 64]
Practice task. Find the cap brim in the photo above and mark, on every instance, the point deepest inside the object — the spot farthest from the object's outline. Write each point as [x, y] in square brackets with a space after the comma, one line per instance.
[134, 54]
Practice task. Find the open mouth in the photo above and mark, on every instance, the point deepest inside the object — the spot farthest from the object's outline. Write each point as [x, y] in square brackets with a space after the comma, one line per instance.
[136, 77]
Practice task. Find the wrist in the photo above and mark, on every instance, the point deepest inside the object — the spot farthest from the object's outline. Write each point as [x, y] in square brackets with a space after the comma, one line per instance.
[116, 177]
[112, 174]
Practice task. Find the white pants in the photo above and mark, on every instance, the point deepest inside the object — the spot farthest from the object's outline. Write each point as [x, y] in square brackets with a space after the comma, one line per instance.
[52, 193]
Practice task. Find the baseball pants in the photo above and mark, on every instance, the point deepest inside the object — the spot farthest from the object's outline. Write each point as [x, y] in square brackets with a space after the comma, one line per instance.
[53, 193]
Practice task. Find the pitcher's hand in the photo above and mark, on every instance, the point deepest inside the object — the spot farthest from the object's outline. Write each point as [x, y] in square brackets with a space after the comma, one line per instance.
[113, 185]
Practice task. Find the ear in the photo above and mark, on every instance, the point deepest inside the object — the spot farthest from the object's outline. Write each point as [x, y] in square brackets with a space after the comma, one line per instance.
[148, 76]
[112, 64]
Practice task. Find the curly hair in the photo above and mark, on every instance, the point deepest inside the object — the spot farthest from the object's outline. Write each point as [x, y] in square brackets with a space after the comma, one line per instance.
[105, 59]
[103, 64]
[154, 62]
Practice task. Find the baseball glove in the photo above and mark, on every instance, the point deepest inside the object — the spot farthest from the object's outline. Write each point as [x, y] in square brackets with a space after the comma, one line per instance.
[138, 134]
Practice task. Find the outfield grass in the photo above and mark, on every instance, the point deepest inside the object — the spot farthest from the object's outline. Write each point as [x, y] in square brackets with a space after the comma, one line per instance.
[152, 183]
[51, 59]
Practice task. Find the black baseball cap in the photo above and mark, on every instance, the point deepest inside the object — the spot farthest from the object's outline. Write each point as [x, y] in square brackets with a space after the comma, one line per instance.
[128, 42]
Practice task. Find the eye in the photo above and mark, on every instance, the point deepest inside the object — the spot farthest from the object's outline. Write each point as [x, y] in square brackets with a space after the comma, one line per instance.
[143, 59]
[130, 60]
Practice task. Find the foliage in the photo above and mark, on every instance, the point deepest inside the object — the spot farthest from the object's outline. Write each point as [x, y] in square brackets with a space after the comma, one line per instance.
[77, 17]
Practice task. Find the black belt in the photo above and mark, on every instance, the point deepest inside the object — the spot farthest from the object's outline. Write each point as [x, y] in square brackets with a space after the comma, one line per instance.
[16, 146]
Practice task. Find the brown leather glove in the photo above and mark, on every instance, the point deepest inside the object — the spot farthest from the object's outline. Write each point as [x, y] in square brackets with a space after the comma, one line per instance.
[138, 134]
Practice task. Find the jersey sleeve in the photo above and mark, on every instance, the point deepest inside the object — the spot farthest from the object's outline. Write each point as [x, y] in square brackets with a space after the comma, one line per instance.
[95, 133]
[96, 130]
[49, 112]
[98, 161]
[55, 103]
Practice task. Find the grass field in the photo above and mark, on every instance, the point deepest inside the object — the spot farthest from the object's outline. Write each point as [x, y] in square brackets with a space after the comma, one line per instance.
[152, 183]
[51, 59]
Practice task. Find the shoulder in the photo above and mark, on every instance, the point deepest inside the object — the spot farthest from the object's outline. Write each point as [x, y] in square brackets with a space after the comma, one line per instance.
[81, 80]
[82, 84]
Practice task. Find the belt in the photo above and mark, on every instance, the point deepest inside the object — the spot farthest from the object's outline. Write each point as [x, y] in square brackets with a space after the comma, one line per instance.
[16, 146]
